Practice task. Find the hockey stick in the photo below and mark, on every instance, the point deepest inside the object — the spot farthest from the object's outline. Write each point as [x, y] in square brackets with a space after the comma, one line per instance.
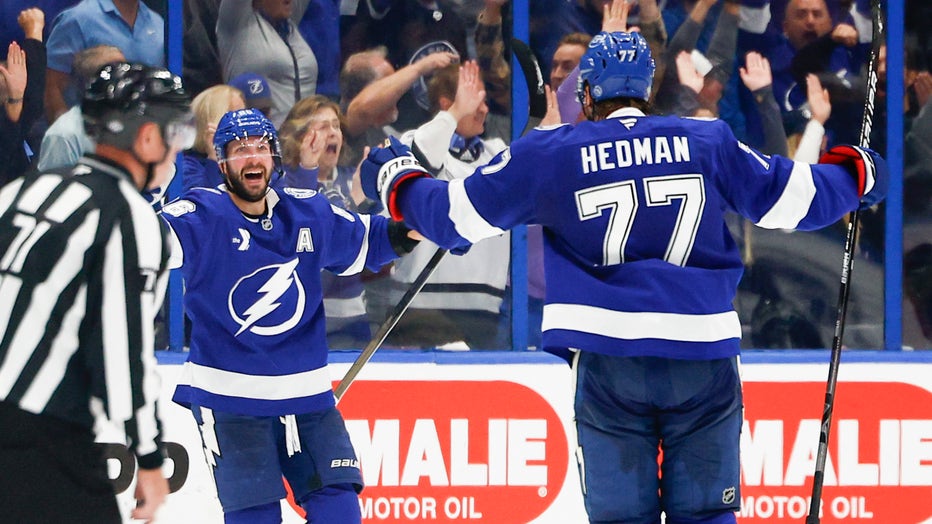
[537, 107]
[389, 324]
[818, 477]
[534, 79]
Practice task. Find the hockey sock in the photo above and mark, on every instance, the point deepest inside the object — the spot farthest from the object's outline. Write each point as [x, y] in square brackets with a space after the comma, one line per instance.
[265, 514]
[335, 504]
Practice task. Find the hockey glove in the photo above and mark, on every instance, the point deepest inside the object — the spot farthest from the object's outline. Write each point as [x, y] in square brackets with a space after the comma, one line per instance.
[385, 169]
[867, 167]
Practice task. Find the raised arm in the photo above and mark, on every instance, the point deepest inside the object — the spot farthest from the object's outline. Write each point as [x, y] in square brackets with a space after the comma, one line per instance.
[32, 21]
[490, 53]
[432, 139]
[383, 94]
[820, 105]
[757, 77]
[14, 76]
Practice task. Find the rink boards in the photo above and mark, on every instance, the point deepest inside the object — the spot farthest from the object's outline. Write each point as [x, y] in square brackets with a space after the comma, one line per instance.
[489, 437]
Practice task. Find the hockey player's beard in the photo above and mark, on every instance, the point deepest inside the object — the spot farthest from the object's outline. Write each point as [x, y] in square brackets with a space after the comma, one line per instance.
[237, 186]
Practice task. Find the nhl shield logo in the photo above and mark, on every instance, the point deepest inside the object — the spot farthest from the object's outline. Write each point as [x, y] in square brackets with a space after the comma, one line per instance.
[728, 495]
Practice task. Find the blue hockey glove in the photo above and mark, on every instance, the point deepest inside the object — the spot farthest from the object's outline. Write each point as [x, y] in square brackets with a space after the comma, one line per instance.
[385, 169]
[867, 167]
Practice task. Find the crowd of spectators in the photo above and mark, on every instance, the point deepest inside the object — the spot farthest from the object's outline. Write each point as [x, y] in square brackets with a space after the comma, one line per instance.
[337, 76]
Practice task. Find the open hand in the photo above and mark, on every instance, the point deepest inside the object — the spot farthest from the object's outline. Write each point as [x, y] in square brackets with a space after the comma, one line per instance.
[756, 72]
[552, 116]
[615, 16]
[15, 71]
[312, 146]
[470, 91]
[819, 103]
[687, 72]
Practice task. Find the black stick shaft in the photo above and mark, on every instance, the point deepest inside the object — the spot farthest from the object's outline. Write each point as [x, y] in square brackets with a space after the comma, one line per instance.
[818, 477]
[389, 324]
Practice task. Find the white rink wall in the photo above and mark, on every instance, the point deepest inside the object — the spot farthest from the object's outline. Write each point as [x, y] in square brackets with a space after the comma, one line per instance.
[490, 438]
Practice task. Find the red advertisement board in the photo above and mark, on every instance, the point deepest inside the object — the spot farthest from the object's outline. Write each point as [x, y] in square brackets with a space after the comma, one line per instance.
[495, 443]
[879, 465]
[450, 451]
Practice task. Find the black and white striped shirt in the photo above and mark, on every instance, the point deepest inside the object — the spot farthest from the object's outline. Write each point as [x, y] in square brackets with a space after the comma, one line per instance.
[83, 271]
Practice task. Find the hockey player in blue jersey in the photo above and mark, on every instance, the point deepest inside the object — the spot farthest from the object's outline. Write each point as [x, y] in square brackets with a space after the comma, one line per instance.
[641, 271]
[256, 378]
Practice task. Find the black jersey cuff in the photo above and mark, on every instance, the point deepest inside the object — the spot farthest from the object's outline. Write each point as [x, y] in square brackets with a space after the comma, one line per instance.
[398, 238]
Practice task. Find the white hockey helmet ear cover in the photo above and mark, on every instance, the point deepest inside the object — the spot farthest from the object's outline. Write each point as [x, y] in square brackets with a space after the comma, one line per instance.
[616, 65]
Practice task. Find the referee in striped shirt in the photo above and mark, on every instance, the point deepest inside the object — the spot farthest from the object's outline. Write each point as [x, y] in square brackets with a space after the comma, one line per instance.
[83, 262]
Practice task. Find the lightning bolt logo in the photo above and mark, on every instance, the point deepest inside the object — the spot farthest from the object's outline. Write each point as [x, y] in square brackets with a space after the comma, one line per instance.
[283, 278]
[209, 435]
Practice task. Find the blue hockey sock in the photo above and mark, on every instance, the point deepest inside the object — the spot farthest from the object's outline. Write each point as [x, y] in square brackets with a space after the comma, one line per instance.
[727, 517]
[266, 513]
[334, 504]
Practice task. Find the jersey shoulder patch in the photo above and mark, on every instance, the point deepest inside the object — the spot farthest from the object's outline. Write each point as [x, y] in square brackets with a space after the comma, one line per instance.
[179, 207]
[497, 164]
[300, 193]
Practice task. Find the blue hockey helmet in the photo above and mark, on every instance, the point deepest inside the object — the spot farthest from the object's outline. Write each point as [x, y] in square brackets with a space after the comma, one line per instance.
[246, 123]
[616, 65]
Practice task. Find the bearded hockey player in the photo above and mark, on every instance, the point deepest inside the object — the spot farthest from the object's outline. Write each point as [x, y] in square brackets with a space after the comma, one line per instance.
[256, 379]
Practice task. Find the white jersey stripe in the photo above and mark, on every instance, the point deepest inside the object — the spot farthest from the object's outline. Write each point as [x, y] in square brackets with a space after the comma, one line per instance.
[37, 193]
[175, 249]
[793, 204]
[145, 226]
[146, 425]
[632, 326]
[149, 252]
[73, 197]
[9, 290]
[115, 335]
[262, 387]
[63, 348]
[9, 194]
[360, 263]
[468, 222]
[44, 298]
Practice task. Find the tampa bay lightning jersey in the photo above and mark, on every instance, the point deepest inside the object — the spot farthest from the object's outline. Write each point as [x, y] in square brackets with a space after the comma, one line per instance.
[637, 255]
[253, 294]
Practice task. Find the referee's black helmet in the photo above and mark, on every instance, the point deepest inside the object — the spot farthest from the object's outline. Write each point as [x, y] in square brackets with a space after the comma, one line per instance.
[124, 96]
